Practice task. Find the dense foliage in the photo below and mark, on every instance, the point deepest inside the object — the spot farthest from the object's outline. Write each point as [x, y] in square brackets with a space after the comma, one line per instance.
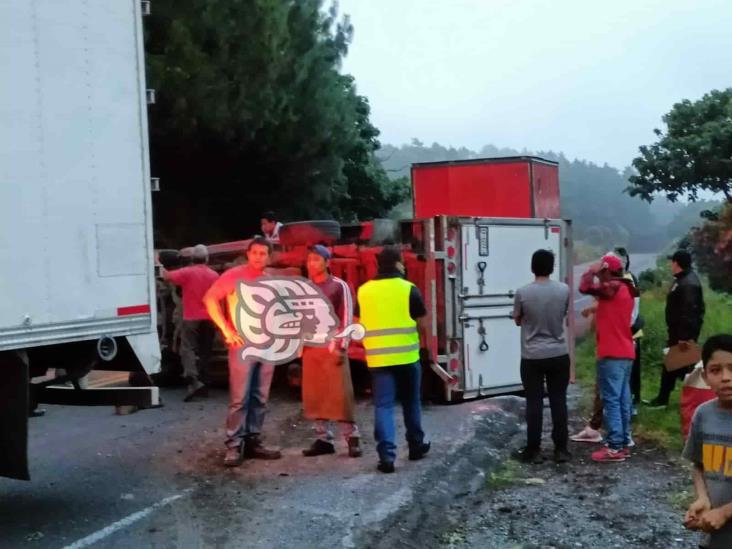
[712, 247]
[252, 114]
[693, 155]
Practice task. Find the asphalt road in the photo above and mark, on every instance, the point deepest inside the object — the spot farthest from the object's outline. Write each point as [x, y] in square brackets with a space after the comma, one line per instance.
[155, 479]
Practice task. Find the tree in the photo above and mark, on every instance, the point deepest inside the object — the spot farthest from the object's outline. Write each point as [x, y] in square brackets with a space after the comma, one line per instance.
[253, 114]
[694, 154]
[712, 245]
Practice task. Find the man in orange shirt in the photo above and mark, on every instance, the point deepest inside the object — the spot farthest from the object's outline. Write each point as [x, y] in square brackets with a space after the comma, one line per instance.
[249, 380]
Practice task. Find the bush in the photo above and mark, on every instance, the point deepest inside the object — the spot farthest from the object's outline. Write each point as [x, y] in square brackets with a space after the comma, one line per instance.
[712, 247]
[648, 280]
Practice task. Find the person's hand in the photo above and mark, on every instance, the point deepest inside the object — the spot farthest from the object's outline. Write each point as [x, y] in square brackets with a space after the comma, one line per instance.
[572, 378]
[693, 514]
[597, 267]
[233, 339]
[342, 356]
[683, 346]
[713, 520]
[425, 356]
[586, 313]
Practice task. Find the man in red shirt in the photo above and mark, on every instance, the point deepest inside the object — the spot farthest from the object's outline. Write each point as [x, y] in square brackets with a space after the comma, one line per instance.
[197, 331]
[615, 351]
[249, 380]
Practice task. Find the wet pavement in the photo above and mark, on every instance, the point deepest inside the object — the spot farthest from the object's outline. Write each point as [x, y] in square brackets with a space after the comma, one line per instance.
[155, 479]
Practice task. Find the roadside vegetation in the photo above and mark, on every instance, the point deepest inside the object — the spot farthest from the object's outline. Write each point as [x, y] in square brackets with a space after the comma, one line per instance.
[660, 426]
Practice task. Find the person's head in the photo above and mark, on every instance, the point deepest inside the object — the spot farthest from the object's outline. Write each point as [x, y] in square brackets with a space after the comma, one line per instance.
[612, 267]
[623, 254]
[542, 263]
[317, 261]
[717, 359]
[390, 260]
[268, 222]
[258, 253]
[680, 261]
[200, 254]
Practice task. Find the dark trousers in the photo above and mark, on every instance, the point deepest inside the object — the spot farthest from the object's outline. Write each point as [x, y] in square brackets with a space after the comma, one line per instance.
[668, 381]
[195, 348]
[556, 373]
[635, 374]
[389, 384]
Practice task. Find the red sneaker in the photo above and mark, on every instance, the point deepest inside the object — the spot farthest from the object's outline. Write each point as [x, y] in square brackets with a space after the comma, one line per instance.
[606, 455]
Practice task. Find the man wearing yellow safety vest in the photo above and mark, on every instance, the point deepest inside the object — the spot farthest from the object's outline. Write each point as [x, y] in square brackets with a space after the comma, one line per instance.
[394, 315]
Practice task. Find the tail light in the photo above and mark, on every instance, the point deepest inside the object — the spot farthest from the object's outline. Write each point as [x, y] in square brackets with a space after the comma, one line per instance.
[451, 251]
[453, 356]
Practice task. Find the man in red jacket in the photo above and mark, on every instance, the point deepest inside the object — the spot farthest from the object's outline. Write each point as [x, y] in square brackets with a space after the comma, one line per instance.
[615, 351]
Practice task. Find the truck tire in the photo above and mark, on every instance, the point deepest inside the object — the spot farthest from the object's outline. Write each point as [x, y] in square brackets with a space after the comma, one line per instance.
[385, 231]
[308, 233]
[170, 259]
[14, 408]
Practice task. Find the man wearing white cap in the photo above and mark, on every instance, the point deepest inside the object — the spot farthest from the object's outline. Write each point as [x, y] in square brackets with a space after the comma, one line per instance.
[197, 331]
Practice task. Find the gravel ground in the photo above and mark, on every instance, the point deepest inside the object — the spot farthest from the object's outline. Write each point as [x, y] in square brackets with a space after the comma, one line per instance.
[580, 504]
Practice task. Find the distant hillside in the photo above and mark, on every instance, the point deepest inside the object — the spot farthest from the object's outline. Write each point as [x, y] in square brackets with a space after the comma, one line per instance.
[592, 196]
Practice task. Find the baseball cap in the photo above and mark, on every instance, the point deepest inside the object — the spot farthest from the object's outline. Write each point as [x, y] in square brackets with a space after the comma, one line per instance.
[682, 257]
[200, 252]
[613, 262]
[321, 250]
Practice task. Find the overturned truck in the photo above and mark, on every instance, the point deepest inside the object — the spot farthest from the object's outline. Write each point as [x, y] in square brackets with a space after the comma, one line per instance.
[469, 249]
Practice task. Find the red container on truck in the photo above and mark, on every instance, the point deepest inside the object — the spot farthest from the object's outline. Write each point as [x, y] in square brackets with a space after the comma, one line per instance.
[517, 187]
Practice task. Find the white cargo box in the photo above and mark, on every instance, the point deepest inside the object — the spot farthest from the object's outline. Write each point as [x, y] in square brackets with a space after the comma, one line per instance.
[75, 205]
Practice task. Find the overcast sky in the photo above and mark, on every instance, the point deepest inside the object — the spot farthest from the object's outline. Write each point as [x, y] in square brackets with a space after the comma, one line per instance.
[588, 78]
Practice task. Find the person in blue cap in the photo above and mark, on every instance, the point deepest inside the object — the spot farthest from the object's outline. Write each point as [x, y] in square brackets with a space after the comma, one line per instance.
[327, 389]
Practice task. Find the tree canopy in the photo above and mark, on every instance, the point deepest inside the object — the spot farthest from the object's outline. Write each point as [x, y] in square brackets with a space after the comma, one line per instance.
[693, 155]
[253, 114]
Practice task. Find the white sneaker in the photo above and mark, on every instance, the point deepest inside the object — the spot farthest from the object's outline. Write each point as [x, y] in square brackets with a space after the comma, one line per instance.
[588, 434]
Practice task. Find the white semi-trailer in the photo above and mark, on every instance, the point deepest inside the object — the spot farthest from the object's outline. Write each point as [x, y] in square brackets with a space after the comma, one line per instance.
[76, 250]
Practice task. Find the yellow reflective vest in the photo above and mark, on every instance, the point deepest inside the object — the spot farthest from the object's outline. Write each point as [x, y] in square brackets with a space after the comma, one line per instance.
[391, 333]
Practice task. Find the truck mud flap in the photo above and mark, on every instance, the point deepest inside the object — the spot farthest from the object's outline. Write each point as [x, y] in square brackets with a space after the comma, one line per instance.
[14, 417]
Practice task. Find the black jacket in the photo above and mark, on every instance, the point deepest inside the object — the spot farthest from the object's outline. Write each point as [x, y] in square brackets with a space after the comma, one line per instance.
[684, 308]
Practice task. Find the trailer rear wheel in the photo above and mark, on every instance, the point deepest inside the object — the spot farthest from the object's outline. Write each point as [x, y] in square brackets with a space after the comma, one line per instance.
[14, 408]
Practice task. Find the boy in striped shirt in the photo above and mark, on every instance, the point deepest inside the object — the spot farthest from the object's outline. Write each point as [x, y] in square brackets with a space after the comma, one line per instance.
[327, 389]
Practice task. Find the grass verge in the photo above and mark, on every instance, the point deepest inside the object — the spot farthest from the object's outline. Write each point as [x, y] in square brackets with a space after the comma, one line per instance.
[508, 473]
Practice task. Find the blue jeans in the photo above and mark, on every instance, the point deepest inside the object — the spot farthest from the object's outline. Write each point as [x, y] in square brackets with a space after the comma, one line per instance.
[613, 379]
[388, 384]
[249, 383]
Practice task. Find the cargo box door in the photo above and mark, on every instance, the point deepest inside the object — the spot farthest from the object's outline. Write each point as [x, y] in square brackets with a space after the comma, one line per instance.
[492, 351]
[496, 261]
[496, 258]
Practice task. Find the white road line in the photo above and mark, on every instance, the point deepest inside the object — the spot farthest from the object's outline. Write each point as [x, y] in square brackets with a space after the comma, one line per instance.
[127, 521]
